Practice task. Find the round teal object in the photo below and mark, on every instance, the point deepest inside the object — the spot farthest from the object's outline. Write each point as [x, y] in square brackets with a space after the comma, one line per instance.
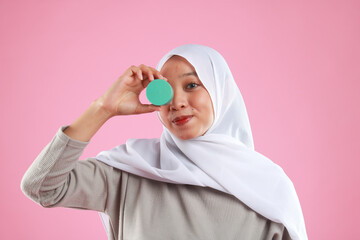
[159, 92]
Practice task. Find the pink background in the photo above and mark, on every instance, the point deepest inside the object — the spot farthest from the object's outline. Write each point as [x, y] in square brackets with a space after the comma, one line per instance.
[296, 64]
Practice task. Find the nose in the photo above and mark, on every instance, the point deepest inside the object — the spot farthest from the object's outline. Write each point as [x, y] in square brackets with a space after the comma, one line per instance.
[179, 101]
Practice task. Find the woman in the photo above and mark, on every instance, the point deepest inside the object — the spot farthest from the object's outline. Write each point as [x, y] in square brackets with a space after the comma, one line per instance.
[201, 180]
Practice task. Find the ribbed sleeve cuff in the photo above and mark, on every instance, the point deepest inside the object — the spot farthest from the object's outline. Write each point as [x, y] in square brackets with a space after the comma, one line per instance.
[69, 141]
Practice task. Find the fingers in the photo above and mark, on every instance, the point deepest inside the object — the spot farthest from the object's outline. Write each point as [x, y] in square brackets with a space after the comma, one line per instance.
[147, 108]
[133, 70]
[151, 72]
[144, 72]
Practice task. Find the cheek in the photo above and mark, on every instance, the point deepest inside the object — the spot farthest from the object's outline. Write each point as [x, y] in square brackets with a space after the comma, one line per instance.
[163, 116]
[203, 102]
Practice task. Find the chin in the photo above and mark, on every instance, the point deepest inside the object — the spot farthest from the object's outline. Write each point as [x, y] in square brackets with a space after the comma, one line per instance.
[186, 136]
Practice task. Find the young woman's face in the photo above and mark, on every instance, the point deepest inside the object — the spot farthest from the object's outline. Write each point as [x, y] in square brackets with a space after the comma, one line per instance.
[190, 113]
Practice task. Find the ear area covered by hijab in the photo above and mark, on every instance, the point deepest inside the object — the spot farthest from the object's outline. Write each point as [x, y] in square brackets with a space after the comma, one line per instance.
[223, 158]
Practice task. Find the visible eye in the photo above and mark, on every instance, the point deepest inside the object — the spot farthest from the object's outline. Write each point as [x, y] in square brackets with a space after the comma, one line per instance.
[192, 85]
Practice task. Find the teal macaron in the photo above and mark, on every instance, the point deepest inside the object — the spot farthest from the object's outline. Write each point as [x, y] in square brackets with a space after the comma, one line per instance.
[159, 92]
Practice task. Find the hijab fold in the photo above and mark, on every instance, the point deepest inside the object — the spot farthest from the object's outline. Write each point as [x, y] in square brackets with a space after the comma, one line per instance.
[223, 158]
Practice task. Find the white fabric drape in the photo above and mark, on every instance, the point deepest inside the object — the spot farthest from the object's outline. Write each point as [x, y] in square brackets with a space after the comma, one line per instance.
[224, 158]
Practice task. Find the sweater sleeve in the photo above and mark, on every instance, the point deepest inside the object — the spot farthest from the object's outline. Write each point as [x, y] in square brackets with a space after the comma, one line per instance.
[57, 178]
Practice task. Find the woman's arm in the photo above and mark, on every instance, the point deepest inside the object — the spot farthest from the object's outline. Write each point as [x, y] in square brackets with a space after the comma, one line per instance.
[85, 127]
[58, 178]
[122, 98]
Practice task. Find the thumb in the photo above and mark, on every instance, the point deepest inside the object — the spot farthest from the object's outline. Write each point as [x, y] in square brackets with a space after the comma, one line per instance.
[147, 108]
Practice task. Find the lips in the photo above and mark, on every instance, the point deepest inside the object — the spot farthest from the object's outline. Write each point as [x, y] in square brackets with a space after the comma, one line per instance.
[182, 119]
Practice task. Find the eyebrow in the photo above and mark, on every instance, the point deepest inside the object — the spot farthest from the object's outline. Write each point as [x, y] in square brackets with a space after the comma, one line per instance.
[188, 74]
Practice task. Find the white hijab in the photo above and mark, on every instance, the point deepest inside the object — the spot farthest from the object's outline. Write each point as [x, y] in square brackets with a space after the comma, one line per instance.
[223, 158]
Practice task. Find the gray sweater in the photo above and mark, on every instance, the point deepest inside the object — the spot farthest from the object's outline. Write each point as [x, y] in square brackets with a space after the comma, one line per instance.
[139, 208]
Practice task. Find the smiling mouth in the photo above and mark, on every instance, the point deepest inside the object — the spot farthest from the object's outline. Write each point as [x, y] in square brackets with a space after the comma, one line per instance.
[182, 120]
